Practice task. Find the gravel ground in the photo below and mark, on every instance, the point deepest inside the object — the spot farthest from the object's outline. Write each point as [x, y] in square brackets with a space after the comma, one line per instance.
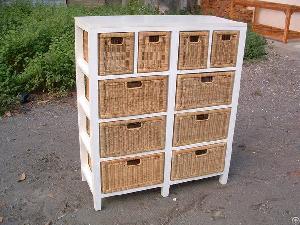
[263, 186]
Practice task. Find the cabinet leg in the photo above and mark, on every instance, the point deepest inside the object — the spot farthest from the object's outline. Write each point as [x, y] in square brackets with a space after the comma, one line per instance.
[82, 176]
[223, 178]
[97, 204]
[165, 191]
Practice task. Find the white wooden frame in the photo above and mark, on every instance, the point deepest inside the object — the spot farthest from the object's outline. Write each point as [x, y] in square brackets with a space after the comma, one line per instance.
[174, 24]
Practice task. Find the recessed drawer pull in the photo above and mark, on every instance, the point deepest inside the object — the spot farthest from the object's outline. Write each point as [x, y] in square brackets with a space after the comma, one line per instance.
[194, 38]
[201, 152]
[208, 79]
[133, 162]
[116, 40]
[226, 37]
[202, 117]
[134, 125]
[154, 38]
[134, 84]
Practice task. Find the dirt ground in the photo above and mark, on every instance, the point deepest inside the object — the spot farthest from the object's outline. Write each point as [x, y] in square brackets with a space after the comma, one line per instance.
[264, 181]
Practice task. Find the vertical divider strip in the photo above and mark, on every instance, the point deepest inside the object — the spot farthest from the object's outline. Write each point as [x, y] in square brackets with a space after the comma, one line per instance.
[210, 40]
[94, 120]
[171, 110]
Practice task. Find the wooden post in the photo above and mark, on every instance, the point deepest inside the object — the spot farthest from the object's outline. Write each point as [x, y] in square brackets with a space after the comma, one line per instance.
[255, 19]
[288, 14]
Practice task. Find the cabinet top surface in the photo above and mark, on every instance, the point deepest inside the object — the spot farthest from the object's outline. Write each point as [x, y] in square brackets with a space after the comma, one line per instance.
[177, 22]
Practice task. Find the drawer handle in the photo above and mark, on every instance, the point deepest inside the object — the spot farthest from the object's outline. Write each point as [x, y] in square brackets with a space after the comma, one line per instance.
[134, 84]
[226, 37]
[194, 38]
[202, 117]
[154, 38]
[116, 40]
[208, 79]
[201, 152]
[133, 162]
[134, 125]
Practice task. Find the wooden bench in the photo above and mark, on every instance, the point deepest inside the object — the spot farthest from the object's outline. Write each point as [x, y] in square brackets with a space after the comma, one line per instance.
[268, 31]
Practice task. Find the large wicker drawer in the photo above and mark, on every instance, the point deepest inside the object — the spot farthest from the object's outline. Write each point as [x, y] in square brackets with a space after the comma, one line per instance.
[132, 136]
[196, 127]
[224, 48]
[132, 96]
[206, 89]
[128, 173]
[198, 161]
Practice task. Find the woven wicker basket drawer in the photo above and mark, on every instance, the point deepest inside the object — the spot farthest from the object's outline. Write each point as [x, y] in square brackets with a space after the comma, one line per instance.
[193, 50]
[116, 52]
[198, 161]
[133, 96]
[154, 48]
[190, 128]
[224, 48]
[132, 136]
[128, 173]
[86, 87]
[206, 89]
[85, 45]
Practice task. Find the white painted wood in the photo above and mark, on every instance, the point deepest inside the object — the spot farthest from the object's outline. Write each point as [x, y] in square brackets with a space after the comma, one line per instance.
[136, 24]
[88, 177]
[131, 155]
[195, 178]
[171, 108]
[235, 99]
[84, 104]
[199, 144]
[204, 109]
[132, 117]
[94, 126]
[84, 137]
[131, 190]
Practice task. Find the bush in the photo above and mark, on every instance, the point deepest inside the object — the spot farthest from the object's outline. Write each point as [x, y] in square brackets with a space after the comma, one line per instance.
[255, 46]
[37, 46]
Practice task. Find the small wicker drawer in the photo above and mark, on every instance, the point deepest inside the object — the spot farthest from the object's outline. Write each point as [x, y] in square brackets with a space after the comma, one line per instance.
[85, 45]
[133, 96]
[132, 136]
[196, 127]
[206, 89]
[128, 173]
[154, 48]
[193, 50]
[199, 161]
[116, 52]
[224, 48]
[86, 87]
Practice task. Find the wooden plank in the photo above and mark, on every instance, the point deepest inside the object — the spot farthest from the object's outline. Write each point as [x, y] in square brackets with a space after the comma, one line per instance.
[267, 5]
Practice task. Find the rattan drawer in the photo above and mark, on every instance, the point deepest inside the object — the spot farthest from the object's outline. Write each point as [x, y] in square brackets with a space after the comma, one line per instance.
[198, 161]
[133, 96]
[193, 50]
[116, 52]
[206, 89]
[154, 48]
[224, 48]
[190, 128]
[85, 46]
[132, 136]
[128, 173]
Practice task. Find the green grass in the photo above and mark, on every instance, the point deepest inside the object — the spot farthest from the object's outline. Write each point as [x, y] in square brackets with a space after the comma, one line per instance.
[37, 47]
